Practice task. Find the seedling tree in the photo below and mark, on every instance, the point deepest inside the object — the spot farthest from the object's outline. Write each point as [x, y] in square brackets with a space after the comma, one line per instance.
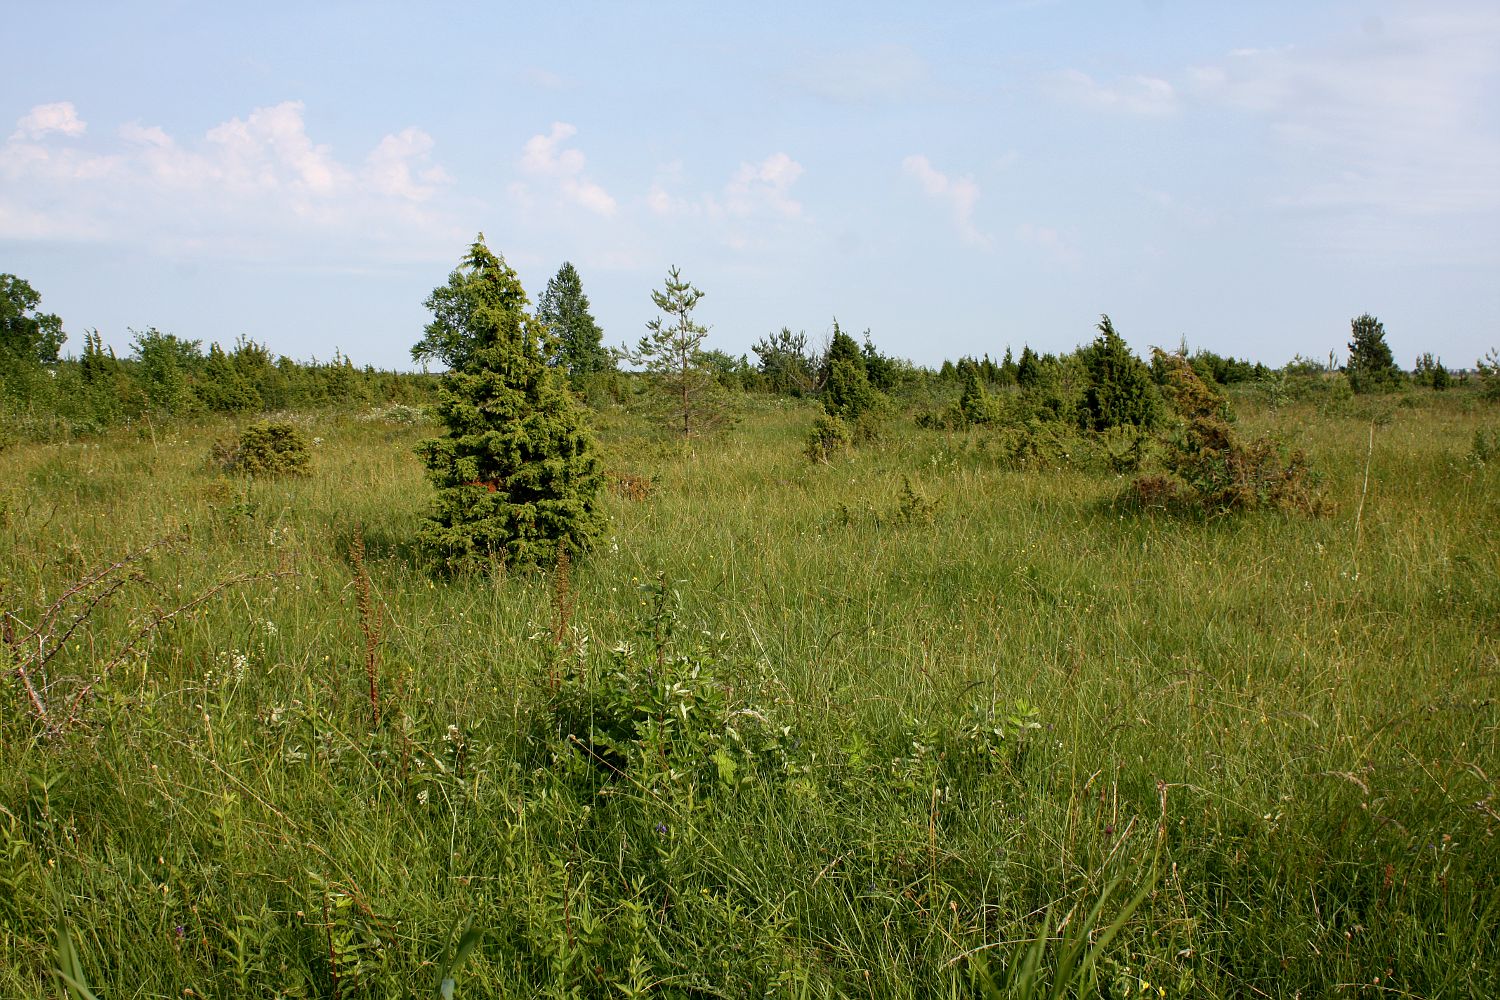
[517, 471]
[676, 364]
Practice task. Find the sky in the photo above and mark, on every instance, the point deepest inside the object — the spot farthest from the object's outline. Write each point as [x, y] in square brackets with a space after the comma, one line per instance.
[955, 178]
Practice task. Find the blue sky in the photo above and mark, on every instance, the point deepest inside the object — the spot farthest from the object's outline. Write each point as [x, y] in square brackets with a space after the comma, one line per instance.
[1244, 176]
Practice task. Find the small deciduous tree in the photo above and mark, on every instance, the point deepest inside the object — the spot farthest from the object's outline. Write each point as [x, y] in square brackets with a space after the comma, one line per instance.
[1371, 366]
[579, 342]
[676, 364]
[517, 472]
[26, 336]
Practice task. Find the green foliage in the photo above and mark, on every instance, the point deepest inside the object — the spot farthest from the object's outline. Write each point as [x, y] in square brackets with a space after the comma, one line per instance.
[847, 394]
[578, 341]
[1028, 369]
[885, 373]
[1209, 469]
[1488, 368]
[687, 391]
[1119, 389]
[786, 366]
[975, 407]
[266, 449]
[1484, 447]
[165, 365]
[829, 436]
[1371, 366]
[653, 712]
[842, 349]
[27, 337]
[224, 388]
[516, 472]
[1430, 373]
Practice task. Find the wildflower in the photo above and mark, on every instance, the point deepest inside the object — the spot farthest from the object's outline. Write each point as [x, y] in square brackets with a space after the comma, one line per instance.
[181, 932]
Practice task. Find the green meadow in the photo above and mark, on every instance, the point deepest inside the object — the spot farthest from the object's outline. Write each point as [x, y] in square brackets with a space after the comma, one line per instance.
[918, 721]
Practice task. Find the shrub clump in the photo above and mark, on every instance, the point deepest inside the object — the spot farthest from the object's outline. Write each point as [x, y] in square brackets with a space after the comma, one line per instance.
[266, 449]
[1208, 468]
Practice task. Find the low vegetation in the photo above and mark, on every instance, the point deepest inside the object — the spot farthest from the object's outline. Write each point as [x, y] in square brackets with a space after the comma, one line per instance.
[935, 715]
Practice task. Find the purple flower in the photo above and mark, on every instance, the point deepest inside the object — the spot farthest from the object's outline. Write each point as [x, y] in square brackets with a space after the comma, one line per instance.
[181, 931]
[661, 829]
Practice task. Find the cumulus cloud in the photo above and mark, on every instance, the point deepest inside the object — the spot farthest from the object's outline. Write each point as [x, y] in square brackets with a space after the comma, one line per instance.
[764, 184]
[59, 117]
[1134, 95]
[755, 197]
[401, 166]
[252, 186]
[960, 194]
[545, 158]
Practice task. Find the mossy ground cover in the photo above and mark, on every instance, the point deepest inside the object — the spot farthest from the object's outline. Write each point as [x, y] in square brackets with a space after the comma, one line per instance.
[791, 729]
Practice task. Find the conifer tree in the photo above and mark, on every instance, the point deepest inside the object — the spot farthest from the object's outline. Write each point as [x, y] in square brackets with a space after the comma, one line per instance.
[1371, 367]
[579, 341]
[841, 347]
[784, 363]
[223, 388]
[1028, 369]
[1120, 389]
[675, 362]
[516, 471]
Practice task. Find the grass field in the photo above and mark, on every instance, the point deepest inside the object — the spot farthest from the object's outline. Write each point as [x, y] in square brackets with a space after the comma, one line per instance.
[893, 726]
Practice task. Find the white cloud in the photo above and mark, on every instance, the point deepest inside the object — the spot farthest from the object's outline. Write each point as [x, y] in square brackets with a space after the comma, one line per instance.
[753, 202]
[961, 194]
[271, 150]
[257, 186]
[401, 166]
[544, 157]
[1135, 95]
[764, 184]
[1398, 118]
[60, 116]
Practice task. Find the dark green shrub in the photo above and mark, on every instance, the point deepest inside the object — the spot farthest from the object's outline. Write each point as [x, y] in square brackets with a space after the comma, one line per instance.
[266, 449]
[517, 473]
[1119, 388]
[1371, 367]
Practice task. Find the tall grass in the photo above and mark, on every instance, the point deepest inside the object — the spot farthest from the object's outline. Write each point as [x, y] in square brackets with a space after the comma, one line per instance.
[1265, 760]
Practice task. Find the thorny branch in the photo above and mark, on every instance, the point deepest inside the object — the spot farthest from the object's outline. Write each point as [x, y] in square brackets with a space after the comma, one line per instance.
[31, 648]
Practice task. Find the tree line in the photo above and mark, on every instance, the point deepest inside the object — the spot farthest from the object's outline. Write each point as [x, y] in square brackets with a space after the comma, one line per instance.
[44, 394]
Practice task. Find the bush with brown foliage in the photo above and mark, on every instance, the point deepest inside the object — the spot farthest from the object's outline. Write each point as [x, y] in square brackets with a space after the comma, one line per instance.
[1208, 468]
